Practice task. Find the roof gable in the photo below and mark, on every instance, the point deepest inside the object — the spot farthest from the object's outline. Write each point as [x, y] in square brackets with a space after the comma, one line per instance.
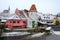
[33, 8]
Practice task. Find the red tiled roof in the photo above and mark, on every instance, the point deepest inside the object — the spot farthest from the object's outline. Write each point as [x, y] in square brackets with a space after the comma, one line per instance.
[19, 13]
[16, 11]
[33, 8]
[26, 11]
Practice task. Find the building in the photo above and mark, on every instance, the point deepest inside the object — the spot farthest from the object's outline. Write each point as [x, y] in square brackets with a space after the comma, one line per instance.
[11, 23]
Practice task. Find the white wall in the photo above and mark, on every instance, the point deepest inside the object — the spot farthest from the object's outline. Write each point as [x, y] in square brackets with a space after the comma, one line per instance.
[33, 15]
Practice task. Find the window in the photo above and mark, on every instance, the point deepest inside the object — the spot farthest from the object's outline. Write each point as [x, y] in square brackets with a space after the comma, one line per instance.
[24, 22]
[31, 13]
[58, 15]
[18, 21]
[13, 21]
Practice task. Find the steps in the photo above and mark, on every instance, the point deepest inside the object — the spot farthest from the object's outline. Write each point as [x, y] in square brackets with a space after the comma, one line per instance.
[5, 34]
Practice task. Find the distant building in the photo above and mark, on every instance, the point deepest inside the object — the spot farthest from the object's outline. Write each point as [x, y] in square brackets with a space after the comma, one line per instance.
[6, 11]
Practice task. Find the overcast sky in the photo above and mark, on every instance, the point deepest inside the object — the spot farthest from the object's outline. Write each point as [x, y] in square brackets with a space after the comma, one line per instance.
[45, 6]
